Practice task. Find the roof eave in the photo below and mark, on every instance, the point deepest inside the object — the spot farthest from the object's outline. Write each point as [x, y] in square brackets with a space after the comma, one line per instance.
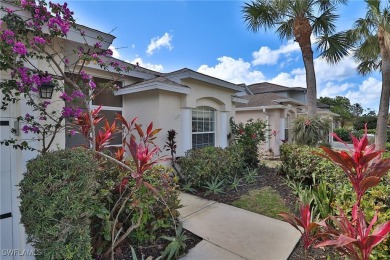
[153, 86]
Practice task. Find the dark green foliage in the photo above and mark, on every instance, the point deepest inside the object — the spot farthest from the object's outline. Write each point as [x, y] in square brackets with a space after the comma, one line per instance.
[249, 136]
[57, 197]
[207, 164]
[301, 165]
[308, 130]
[361, 121]
[343, 133]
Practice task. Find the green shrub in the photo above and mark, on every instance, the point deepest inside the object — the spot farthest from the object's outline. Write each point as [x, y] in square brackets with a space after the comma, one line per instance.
[361, 121]
[57, 197]
[300, 164]
[249, 136]
[308, 130]
[343, 133]
[202, 166]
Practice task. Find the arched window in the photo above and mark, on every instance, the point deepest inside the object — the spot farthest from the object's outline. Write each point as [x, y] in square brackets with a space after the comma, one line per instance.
[203, 127]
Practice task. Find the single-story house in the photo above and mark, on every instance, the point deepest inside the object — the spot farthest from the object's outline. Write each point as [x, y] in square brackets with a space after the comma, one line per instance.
[278, 106]
[197, 106]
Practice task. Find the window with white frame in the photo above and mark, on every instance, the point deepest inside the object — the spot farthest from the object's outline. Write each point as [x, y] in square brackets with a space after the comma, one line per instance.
[203, 127]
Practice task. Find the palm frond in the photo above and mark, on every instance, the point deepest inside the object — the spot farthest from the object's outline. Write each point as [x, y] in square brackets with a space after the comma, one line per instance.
[285, 29]
[368, 49]
[366, 67]
[325, 23]
[260, 14]
[324, 5]
[334, 47]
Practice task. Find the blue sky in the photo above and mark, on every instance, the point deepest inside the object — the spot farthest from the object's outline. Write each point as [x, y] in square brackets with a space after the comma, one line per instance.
[211, 37]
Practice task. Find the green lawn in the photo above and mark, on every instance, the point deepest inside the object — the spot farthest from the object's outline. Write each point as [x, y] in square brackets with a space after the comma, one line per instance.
[265, 201]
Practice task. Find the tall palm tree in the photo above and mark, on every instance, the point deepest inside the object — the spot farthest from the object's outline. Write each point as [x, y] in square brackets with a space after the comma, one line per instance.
[299, 19]
[371, 36]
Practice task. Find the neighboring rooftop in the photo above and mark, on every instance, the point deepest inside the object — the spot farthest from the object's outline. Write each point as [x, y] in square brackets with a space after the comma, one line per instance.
[267, 99]
[266, 87]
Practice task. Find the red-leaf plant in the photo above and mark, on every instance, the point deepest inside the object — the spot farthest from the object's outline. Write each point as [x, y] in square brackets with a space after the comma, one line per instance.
[304, 225]
[364, 169]
[142, 154]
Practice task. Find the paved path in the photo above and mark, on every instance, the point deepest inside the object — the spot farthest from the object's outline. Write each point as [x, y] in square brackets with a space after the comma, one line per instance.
[234, 234]
[341, 146]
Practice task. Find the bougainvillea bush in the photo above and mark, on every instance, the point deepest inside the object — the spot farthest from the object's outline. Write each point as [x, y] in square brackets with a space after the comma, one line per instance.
[352, 234]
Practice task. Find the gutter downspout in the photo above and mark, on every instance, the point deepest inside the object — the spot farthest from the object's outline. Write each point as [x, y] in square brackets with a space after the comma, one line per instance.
[268, 129]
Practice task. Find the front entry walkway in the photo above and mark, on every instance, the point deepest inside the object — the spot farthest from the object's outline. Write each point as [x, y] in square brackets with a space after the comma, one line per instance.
[233, 233]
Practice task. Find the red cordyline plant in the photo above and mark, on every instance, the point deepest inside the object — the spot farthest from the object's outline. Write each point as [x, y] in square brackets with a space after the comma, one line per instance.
[142, 152]
[349, 235]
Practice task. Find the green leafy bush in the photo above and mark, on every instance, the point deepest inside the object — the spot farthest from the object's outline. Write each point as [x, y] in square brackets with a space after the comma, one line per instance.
[301, 165]
[343, 133]
[57, 201]
[307, 130]
[202, 166]
[361, 121]
[249, 136]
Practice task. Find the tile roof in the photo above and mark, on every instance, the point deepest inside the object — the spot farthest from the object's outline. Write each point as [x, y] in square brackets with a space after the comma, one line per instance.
[266, 87]
[266, 99]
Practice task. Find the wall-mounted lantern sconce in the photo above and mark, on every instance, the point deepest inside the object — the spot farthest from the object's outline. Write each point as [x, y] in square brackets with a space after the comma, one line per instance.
[46, 90]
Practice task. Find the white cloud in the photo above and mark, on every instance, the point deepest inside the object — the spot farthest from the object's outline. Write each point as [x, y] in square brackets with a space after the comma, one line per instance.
[266, 56]
[290, 79]
[159, 42]
[155, 67]
[368, 93]
[232, 70]
[331, 89]
[345, 69]
[115, 52]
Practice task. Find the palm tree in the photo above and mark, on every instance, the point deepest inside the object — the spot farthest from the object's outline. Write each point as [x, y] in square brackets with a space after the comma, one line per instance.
[299, 19]
[371, 36]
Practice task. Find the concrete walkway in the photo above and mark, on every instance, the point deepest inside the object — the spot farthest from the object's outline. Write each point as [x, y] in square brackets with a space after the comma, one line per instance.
[234, 234]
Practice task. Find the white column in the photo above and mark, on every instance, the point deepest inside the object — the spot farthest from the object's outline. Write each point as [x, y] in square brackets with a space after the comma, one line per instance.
[282, 128]
[222, 129]
[186, 130]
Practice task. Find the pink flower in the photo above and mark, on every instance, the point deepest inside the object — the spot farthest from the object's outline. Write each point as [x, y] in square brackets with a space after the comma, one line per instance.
[85, 76]
[92, 84]
[65, 97]
[20, 48]
[98, 45]
[66, 61]
[39, 40]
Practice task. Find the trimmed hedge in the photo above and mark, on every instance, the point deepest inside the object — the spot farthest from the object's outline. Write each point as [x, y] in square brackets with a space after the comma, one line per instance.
[203, 165]
[57, 198]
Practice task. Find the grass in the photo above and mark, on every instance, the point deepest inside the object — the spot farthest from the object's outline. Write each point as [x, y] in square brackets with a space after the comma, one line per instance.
[265, 201]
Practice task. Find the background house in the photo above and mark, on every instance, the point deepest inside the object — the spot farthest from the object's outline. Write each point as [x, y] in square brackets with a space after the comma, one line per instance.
[278, 106]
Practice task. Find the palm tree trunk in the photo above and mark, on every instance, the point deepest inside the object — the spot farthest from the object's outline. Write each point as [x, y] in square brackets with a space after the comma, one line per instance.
[383, 113]
[302, 33]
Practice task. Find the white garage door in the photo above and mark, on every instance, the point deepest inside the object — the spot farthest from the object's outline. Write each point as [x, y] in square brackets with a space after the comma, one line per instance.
[6, 237]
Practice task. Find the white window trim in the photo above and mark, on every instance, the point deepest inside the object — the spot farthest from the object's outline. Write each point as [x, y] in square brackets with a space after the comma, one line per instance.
[215, 119]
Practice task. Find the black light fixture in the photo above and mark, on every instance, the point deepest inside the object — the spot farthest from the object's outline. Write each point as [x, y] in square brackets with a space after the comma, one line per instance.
[46, 90]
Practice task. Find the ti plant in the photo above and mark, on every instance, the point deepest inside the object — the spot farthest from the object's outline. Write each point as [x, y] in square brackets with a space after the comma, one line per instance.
[351, 236]
[171, 146]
